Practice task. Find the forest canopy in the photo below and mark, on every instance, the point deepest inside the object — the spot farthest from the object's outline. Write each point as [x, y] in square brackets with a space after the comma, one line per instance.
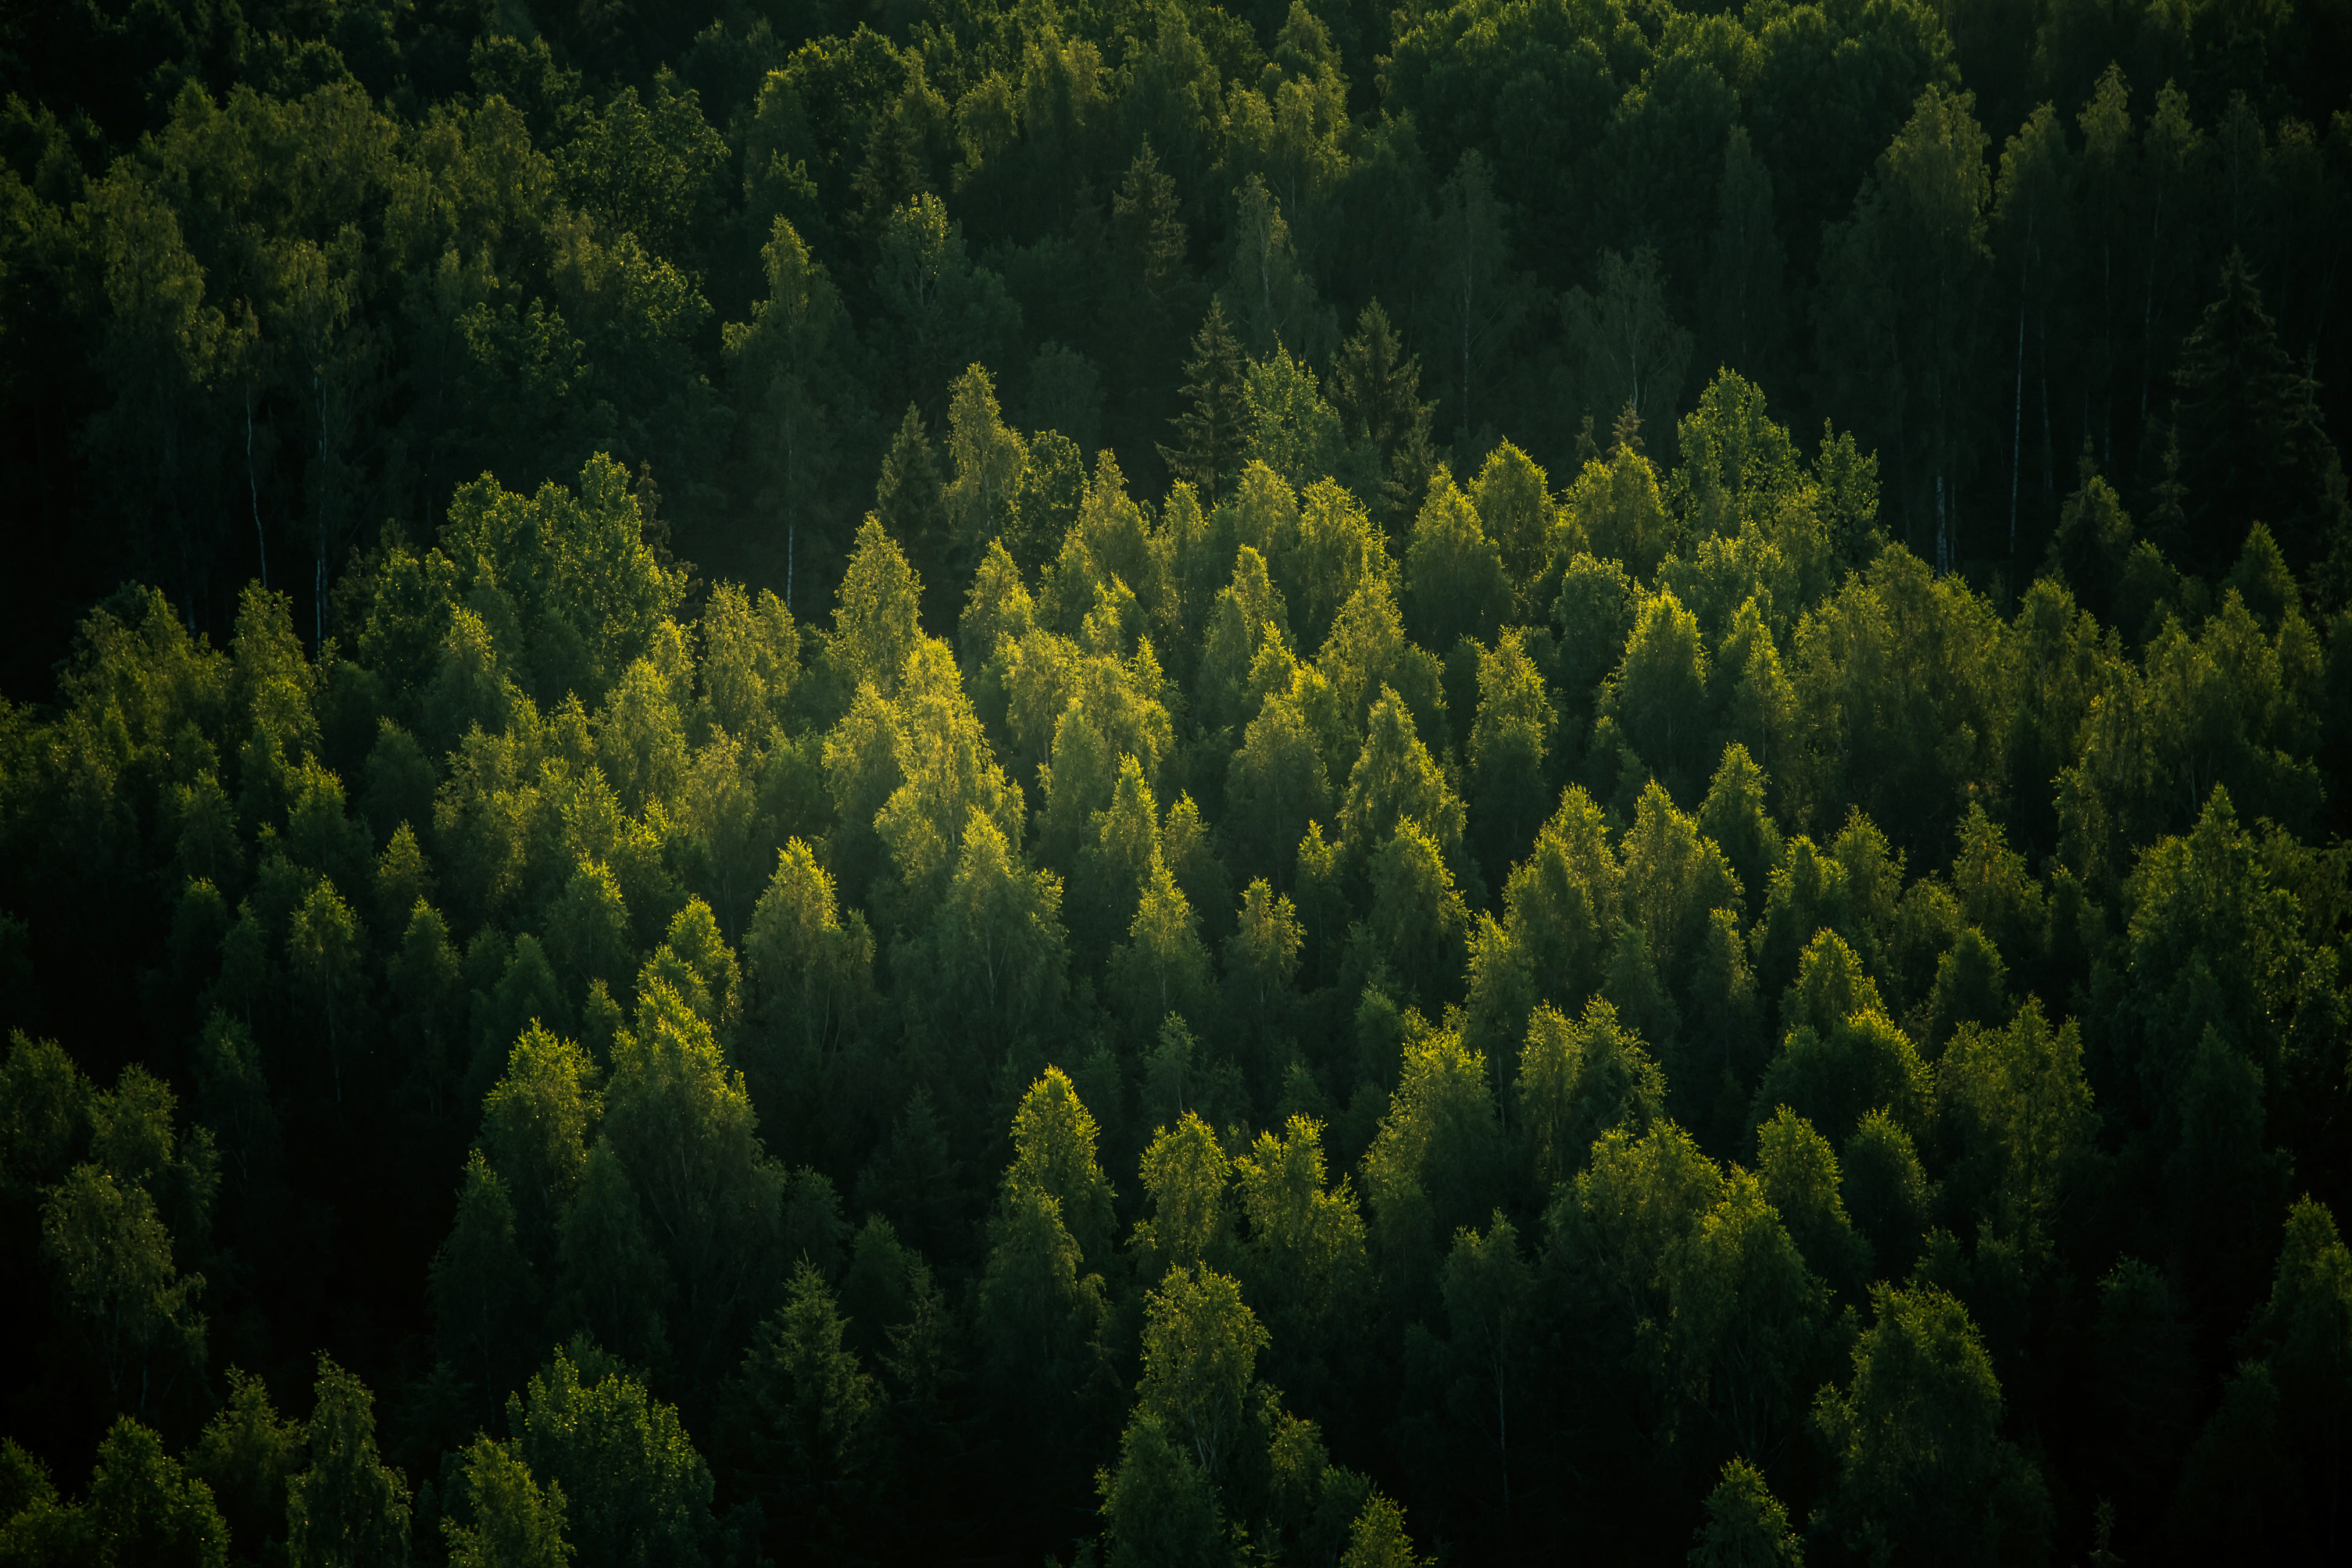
[1148, 783]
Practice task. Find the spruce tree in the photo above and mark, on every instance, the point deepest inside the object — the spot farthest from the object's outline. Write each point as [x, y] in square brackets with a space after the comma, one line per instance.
[1376, 387]
[1144, 213]
[2251, 446]
[1210, 430]
[910, 499]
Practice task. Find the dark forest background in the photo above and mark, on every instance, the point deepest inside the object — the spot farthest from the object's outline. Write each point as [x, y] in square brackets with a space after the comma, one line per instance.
[1294, 783]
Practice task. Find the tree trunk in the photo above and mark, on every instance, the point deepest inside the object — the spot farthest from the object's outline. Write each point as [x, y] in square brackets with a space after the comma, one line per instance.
[253, 489]
[2017, 428]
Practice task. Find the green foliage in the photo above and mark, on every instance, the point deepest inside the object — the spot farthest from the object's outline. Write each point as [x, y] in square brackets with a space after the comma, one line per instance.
[1922, 1466]
[1455, 586]
[347, 1509]
[1947, 833]
[246, 1455]
[145, 1508]
[516, 1522]
[1576, 1080]
[1158, 1508]
[817, 1410]
[568, 571]
[634, 1488]
[1745, 1527]
[1200, 1346]
[1186, 1174]
[1437, 1151]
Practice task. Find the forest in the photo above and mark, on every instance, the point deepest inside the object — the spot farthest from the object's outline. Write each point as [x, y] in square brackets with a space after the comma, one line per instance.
[1140, 783]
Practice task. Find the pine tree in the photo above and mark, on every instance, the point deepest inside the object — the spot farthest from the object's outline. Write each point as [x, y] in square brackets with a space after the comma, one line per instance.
[1211, 430]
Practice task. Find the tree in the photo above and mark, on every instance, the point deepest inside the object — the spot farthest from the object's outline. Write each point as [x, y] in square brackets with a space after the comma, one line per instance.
[1053, 1154]
[1799, 1173]
[1616, 510]
[1748, 1322]
[163, 343]
[944, 309]
[348, 1508]
[1577, 1079]
[1417, 915]
[1905, 272]
[1743, 314]
[1455, 586]
[1633, 353]
[1185, 1173]
[1376, 388]
[1513, 495]
[876, 614]
[515, 1522]
[1745, 1527]
[245, 1455]
[482, 1284]
[1200, 1346]
[1379, 1540]
[1659, 692]
[909, 499]
[1395, 777]
[1288, 426]
[1431, 1164]
[588, 931]
[817, 1410]
[2254, 446]
[1885, 1190]
[2030, 211]
[682, 1124]
[569, 570]
[783, 357]
[1923, 1470]
[132, 1308]
[1158, 1508]
[1480, 300]
[536, 1122]
[1305, 1255]
[2305, 1332]
[1560, 902]
[323, 951]
[634, 1489]
[617, 1284]
[1734, 816]
[811, 976]
[1489, 1296]
[1163, 968]
[1210, 430]
[988, 460]
[1843, 1057]
[1273, 298]
[1001, 946]
[2017, 1108]
[1037, 1308]
[147, 1509]
[1674, 880]
[1510, 739]
[43, 1101]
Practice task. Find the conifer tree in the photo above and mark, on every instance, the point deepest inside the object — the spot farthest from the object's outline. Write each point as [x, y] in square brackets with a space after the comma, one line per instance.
[2251, 445]
[1211, 428]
